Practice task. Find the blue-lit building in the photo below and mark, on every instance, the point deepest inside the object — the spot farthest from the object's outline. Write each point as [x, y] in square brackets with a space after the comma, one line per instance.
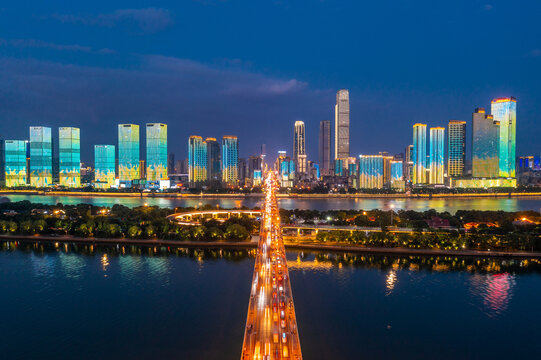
[14, 162]
[197, 161]
[371, 171]
[41, 157]
[128, 153]
[419, 154]
[437, 156]
[214, 168]
[504, 111]
[104, 166]
[485, 145]
[69, 156]
[230, 160]
[156, 152]
[287, 172]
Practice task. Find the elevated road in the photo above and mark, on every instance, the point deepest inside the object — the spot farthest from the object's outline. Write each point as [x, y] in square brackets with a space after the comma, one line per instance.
[271, 326]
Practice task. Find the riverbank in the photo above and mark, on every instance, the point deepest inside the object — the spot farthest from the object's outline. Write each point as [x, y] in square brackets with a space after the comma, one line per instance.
[288, 245]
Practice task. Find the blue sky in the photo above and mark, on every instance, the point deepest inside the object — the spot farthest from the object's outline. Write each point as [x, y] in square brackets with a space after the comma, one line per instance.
[251, 68]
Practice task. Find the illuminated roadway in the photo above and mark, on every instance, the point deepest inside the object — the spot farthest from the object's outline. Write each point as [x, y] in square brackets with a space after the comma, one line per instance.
[271, 327]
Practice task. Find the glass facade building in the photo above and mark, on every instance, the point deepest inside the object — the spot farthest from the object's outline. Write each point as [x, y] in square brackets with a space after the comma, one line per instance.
[504, 111]
[128, 152]
[437, 155]
[456, 152]
[419, 154]
[104, 166]
[325, 147]
[397, 170]
[371, 171]
[15, 162]
[299, 148]
[41, 156]
[156, 164]
[341, 127]
[230, 160]
[485, 145]
[197, 161]
[69, 156]
[214, 167]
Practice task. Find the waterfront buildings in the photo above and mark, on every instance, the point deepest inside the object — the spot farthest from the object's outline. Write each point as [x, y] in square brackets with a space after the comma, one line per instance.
[69, 156]
[214, 174]
[371, 171]
[325, 147]
[230, 160]
[437, 158]
[197, 161]
[456, 150]
[504, 111]
[104, 166]
[41, 161]
[341, 127]
[14, 164]
[156, 161]
[419, 154]
[408, 163]
[299, 148]
[128, 153]
[485, 145]
[397, 175]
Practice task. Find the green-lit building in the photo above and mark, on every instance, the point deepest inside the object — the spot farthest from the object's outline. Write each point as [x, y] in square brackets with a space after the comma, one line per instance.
[485, 145]
[128, 152]
[437, 157]
[14, 163]
[504, 111]
[197, 161]
[104, 166]
[156, 152]
[41, 160]
[69, 156]
[230, 160]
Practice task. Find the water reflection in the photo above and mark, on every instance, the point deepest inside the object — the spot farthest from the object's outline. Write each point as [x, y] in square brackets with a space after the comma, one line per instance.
[495, 290]
[390, 282]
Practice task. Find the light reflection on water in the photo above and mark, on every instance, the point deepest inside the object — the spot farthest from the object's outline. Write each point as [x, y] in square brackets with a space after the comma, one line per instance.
[494, 290]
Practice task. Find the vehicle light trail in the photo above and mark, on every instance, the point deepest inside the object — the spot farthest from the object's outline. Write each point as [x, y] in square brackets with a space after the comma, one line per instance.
[271, 326]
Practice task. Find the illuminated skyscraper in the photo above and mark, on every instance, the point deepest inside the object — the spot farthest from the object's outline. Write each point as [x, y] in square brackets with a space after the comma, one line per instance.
[213, 162]
[104, 166]
[128, 152]
[299, 148]
[197, 161]
[15, 162]
[230, 160]
[504, 111]
[341, 126]
[156, 152]
[408, 163]
[397, 171]
[456, 153]
[69, 156]
[371, 171]
[419, 154]
[437, 156]
[41, 161]
[325, 147]
[485, 145]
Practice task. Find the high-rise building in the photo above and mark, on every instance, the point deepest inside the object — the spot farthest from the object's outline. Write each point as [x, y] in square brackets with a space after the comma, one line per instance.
[170, 163]
[41, 161]
[437, 156]
[325, 147]
[371, 171]
[128, 152]
[504, 111]
[104, 166]
[230, 160]
[419, 154]
[14, 163]
[197, 161]
[156, 163]
[341, 126]
[214, 155]
[408, 163]
[456, 153]
[299, 148]
[485, 145]
[69, 156]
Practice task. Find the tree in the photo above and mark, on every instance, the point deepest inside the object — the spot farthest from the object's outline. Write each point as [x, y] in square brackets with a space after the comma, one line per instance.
[237, 232]
[134, 231]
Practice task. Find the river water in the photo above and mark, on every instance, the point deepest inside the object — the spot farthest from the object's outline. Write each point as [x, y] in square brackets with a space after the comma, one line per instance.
[447, 204]
[110, 303]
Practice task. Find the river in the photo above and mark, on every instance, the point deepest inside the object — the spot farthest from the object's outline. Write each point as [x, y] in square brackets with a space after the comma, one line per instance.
[109, 303]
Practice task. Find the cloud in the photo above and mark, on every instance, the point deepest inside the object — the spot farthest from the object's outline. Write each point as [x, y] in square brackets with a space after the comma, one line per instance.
[40, 44]
[146, 21]
[488, 7]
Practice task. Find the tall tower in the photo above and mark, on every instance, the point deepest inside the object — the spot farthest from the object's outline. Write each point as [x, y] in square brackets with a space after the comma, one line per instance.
[41, 156]
[325, 147]
[197, 161]
[230, 160]
[104, 166]
[69, 155]
[299, 148]
[128, 152]
[214, 174]
[437, 157]
[341, 125]
[485, 145]
[456, 153]
[14, 152]
[504, 111]
[156, 152]
[419, 154]
[408, 163]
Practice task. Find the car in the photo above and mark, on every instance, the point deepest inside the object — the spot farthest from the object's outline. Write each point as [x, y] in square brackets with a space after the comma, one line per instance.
[275, 337]
[283, 323]
[284, 338]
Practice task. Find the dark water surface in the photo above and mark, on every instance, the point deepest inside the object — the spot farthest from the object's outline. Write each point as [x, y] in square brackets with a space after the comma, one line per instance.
[81, 302]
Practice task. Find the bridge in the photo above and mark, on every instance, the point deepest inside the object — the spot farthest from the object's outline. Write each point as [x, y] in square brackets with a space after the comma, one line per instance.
[271, 326]
[194, 218]
[313, 230]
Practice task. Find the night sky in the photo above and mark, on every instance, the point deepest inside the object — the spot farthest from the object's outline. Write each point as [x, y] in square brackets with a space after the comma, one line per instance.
[251, 68]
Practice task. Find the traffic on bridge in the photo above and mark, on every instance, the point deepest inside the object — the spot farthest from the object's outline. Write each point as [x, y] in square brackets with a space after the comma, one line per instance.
[271, 327]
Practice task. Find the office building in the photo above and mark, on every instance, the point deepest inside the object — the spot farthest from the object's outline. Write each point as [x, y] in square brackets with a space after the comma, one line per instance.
[485, 145]
[104, 166]
[408, 163]
[41, 161]
[69, 156]
[230, 160]
[156, 162]
[170, 163]
[437, 155]
[419, 154]
[128, 153]
[371, 171]
[456, 152]
[197, 161]
[504, 111]
[341, 127]
[14, 163]
[214, 167]
[325, 147]
[299, 148]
